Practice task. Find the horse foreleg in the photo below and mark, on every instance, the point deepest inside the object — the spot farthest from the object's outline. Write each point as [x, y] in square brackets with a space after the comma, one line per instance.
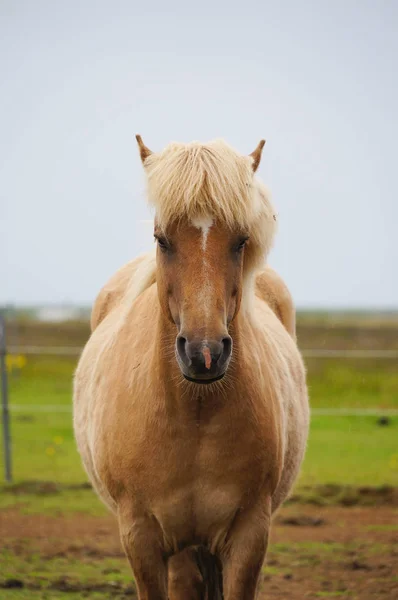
[142, 544]
[244, 554]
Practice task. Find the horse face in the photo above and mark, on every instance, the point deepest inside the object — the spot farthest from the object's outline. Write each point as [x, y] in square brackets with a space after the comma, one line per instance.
[199, 274]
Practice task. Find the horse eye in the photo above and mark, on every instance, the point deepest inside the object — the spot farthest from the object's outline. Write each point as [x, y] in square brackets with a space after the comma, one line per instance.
[162, 243]
[239, 247]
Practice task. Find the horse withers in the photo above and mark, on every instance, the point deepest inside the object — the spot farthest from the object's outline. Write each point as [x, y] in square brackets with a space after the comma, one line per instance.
[190, 400]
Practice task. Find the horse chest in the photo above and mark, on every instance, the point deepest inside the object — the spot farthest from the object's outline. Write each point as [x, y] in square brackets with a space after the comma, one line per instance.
[193, 475]
[204, 476]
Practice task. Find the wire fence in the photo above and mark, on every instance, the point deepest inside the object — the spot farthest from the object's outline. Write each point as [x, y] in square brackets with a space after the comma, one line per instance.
[317, 353]
[327, 412]
[75, 351]
[307, 353]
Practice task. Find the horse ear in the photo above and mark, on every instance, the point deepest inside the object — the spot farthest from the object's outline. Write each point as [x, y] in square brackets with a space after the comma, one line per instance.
[144, 151]
[256, 155]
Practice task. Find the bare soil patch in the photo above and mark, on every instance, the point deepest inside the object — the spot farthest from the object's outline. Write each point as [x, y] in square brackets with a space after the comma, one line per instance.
[315, 551]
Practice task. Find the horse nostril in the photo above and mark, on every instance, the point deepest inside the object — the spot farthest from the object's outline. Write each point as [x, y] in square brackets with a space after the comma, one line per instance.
[181, 341]
[227, 344]
[181, 348]
[216, 350]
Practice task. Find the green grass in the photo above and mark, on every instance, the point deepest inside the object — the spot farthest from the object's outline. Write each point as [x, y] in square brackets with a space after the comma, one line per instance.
[60, 501]
[343, 450]
[81, 570]
[44, 448]
[348, 383]
[52, 595]
[351, 451]
[93, 575]
[44, 380]
[43, 442]
[46, 577]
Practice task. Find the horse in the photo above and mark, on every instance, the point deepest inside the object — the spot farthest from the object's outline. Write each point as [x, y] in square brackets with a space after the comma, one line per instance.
[191, 408]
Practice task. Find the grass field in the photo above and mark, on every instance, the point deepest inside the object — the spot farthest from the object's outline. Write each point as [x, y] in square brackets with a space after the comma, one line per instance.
[44, 449]
[351, 460]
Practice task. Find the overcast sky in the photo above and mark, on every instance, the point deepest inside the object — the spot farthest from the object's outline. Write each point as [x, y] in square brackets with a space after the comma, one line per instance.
[317, 79]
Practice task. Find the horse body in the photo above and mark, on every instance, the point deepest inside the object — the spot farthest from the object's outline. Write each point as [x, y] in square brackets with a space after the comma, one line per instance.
[186, 466]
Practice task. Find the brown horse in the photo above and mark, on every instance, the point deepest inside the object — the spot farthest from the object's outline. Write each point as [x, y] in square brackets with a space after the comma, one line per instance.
[190, 402]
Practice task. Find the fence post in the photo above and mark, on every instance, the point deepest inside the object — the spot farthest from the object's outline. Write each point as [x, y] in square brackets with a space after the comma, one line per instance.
[4, 399]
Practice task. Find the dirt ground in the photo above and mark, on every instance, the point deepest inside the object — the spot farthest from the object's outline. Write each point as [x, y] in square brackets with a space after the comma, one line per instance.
[315, 552]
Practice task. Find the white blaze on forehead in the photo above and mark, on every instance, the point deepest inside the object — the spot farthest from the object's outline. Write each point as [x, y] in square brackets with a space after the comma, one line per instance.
[204, 223]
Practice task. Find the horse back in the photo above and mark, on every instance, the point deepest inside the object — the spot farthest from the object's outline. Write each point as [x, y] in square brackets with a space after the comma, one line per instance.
[113, 292]
[271, 288]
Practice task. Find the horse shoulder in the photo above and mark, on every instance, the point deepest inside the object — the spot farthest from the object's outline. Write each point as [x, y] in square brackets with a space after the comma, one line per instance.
[271, 288]
[113, 291]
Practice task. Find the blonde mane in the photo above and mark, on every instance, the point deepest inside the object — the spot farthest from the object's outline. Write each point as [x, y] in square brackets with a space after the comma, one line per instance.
[193, 180]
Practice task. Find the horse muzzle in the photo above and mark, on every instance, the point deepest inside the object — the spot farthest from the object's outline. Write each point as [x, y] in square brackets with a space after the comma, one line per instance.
[203, 361]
